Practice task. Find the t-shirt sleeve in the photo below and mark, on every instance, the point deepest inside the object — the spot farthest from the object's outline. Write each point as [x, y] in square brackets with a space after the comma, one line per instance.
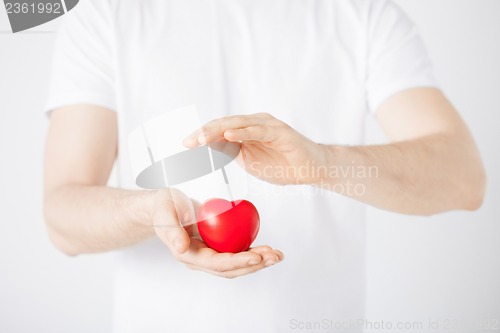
[397, 57]
[82, 65]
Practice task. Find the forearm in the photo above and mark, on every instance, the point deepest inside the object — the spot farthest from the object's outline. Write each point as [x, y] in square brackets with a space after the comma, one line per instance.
[87, 219]
[423, 176]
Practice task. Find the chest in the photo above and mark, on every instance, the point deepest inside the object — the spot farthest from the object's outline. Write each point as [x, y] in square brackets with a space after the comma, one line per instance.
[300, 61]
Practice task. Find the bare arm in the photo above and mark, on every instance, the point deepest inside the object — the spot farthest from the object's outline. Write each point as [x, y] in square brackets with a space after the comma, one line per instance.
[431, 165]
[83, 215]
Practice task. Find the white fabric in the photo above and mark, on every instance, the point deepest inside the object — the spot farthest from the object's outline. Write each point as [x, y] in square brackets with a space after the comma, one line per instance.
[321, 66]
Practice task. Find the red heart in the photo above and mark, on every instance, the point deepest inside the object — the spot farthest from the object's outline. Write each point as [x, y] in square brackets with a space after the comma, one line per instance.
[228, 226]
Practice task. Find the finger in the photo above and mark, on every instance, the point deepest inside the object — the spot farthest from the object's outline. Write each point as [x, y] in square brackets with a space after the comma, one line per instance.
[192, 229]
[261, 249]
[191, 141]
[269, 256]
[170, 231]
[202, 256]
[173, 208]
[243, 271]
[253, 133]
[280, 255]
[196, 204]
[214, 130]
[185, 207]
[231, 274]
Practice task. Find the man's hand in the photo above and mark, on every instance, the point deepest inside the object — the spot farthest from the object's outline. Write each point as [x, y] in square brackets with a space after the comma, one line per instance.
[270, 149]
[174, 221]
[83, 215]
[431, 165]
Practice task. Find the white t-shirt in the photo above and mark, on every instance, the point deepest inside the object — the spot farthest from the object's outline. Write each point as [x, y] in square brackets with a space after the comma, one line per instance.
[321, 66]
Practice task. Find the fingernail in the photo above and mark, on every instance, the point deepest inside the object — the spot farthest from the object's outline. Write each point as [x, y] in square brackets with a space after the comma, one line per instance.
[177, 244]
[270, 262]
[202, 140]
[189, 141]
[253, 262]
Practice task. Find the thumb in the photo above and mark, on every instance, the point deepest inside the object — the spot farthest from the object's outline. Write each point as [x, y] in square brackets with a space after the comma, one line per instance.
[175, 210]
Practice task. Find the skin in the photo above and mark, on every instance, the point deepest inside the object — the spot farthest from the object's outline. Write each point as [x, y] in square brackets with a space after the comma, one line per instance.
[431, 165]
[83, 215]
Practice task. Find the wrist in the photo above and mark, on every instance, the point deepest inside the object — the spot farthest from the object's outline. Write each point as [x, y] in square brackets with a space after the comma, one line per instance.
[327, 161]
[141, 207]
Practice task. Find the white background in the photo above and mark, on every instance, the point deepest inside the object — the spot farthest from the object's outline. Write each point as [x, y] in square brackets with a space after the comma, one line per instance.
[440, 268]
